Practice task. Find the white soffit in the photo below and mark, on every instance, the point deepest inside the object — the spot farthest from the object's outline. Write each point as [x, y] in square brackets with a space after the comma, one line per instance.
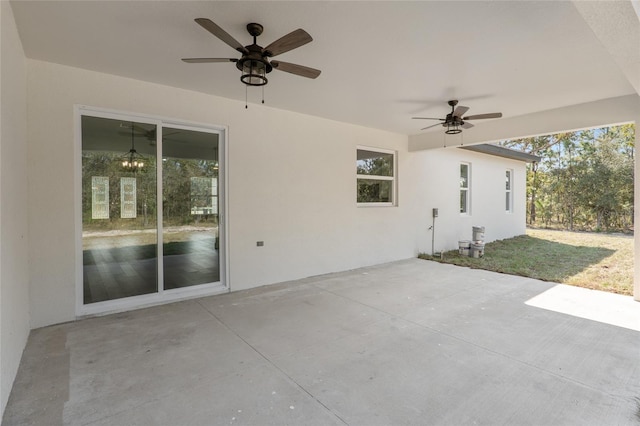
[382, 62]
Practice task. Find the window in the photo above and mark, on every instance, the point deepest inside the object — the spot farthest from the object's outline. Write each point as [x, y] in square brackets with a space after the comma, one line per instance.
[509, 191]
[204, 195]
[128, 198]
[464, 188]
[375, 170]
[99, 197]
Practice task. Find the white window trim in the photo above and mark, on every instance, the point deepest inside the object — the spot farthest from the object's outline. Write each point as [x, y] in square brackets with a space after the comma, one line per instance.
[509, 191]
[162, 296]
[467, 189]
[394, 178]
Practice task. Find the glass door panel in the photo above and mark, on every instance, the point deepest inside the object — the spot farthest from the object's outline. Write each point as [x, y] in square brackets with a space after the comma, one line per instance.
[119, 226]
[190, 234]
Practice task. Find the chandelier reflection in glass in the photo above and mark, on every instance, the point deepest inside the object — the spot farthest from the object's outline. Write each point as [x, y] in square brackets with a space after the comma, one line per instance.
[132, 161]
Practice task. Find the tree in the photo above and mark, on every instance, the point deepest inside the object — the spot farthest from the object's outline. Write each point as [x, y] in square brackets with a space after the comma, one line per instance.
[584, 179]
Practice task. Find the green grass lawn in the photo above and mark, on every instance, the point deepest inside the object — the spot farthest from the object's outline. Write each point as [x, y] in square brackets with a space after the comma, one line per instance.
[584, 259]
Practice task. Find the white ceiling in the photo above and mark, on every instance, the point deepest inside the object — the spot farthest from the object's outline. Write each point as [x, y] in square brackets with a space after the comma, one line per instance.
[381, 62]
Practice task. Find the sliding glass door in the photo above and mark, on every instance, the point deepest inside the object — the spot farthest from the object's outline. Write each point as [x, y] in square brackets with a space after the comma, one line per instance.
[119, 227]
[141, 236]
[190, 208]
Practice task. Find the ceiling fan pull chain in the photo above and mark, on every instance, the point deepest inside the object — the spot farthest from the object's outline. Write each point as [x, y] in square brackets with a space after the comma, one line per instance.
[263, 94]
[245, 97]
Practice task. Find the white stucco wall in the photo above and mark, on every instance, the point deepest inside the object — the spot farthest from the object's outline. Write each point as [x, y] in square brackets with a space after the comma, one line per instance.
[436, 176]
[291, 185]
[14, 276]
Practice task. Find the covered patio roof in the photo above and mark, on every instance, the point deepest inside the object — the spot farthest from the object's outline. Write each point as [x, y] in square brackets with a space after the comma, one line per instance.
[384, 61]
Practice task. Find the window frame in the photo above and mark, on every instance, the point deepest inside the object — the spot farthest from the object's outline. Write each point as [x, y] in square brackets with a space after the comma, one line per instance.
[162, 296]
[466, 189]
[393, 178]
[509, 191]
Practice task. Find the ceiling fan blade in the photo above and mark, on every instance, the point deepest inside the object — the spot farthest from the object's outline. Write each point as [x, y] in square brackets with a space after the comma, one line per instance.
[288, 42]
[433, 125]
[483, 116]
[137, 129]
[296, 69]
[204, 60]
[467, 125]
[460, 111]
[214, 29]
[427, 118]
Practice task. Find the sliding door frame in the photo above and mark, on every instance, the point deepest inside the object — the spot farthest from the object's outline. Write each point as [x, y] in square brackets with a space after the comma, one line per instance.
[161, 296]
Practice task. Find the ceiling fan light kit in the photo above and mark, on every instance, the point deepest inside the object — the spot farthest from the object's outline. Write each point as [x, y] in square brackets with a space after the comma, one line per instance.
[254, 73]
[454, 122]
[254, 62]
[453, 129]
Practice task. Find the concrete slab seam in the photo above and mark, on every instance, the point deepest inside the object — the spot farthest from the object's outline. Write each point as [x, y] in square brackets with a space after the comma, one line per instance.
[291, 379]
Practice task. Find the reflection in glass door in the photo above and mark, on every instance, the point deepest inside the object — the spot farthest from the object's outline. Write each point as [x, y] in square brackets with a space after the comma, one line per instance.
[190, 242]
[125, 250]
[119, 226]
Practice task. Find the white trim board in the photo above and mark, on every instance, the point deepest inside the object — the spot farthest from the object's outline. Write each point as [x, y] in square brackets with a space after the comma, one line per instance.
[161, 296]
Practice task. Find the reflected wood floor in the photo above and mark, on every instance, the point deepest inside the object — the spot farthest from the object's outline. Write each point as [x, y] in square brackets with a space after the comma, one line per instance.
[131, 271]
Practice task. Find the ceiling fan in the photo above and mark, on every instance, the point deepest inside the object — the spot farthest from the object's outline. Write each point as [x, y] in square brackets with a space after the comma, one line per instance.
[255, 62]
[455, 122]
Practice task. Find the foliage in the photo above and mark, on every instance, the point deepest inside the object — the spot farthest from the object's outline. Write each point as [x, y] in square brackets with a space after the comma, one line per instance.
[379, 166]
[108, 164]
[584, 180]
[179, 195]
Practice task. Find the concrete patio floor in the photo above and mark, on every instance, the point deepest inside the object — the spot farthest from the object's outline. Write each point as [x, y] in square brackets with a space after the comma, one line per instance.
[410, 342]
